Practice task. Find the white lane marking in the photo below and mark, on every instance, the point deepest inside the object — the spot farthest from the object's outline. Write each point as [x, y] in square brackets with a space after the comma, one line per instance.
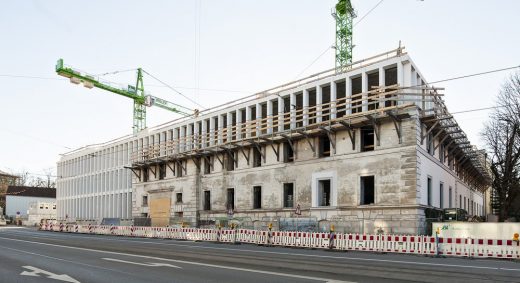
[299, 254]
[11, 227]
[64, 260]
[186, 262]
[151, 264]
[36, 272]
[136, 240]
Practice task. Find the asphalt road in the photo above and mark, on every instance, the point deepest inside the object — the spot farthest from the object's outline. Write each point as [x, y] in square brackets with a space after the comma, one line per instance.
[28, 255]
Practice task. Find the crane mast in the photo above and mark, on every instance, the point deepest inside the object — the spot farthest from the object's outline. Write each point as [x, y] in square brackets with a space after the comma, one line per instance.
[136, 93]
[344, 14]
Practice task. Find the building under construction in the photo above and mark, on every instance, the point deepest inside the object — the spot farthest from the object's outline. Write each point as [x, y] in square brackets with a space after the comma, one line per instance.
[370, 148]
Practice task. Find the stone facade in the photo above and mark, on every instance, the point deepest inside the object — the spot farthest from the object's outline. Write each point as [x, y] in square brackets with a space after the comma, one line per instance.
[359, 150]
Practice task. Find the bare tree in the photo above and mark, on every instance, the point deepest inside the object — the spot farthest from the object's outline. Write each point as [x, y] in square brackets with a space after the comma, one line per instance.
[502, 136]
[23, 178]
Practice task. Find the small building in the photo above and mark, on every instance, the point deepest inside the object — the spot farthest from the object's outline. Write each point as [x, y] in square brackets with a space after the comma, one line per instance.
[18, 199]
[39, 210]
[6, 180]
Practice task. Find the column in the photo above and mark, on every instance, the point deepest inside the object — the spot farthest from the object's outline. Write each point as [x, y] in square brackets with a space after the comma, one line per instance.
[382, 103]
[333, 97]
[305, 108]
[211, 130]
[364, 89]
[281, 114]
[229, 126]
[400, 79]
[319, 101]
[204, 133]
[258, 118]
[239, 125]
[293, 110]
[348, 96]
[182, 139]
[248, 122]
[189, 137]
[196, 135]
[220, 127]
[269, 116]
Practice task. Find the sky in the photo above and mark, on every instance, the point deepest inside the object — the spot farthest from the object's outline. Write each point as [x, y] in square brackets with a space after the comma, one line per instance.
[214, 51]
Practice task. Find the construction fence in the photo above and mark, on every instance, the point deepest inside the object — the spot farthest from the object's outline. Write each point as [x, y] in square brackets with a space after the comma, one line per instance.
[343, 224]
[420, 245]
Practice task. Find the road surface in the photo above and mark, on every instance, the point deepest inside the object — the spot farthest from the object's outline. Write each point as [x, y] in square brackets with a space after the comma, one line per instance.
[28, 255]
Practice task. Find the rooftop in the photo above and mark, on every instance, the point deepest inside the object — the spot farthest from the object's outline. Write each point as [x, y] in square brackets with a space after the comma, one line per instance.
[31, 191]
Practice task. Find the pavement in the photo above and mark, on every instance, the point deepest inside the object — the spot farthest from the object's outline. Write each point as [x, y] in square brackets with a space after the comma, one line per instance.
[29, 255]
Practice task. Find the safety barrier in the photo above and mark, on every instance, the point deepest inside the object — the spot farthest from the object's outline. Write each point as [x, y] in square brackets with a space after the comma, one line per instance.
[422, 245]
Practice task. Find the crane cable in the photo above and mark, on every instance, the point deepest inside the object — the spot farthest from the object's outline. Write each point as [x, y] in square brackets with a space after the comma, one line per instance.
[178, 92]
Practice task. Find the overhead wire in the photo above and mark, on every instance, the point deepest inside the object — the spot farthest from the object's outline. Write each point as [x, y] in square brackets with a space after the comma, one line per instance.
[312, 63]
[178, 92]
[333, 44]
[370, 11]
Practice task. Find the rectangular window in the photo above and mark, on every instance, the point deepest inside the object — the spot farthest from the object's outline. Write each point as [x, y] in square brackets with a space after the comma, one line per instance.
[367, 139]
[373, 95]
[230, 161]
[145, 174]
[429, 144]
[341, 101]
[263, 123]
[224, 129]
[288, 153]
[324, 146]
[299, 110]
[230, 204]
[234, 125]
[390, 79]
[325, 102]
[253, 121]
[441, 195]
[207, 200]
[288, 195]
[145, 201]
[287, 112]
[367, 190]
[450, 203]
[179, 169]
[356, 94]
[441, 153]
[257, 157]
[460, 201]
[429, 186]
[162, 171]
[257, 197]
[207, 165]
[178, 198]
[274, 114]
[324, 192]
[312, 106]
[465, 207]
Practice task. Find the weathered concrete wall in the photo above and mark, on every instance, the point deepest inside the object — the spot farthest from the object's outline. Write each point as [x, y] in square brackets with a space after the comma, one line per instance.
[392, 164]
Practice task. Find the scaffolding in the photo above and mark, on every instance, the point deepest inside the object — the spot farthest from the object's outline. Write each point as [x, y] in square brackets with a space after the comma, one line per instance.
[371, 108]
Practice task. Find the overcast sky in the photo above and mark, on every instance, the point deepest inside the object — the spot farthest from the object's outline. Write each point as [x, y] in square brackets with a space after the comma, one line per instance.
[219, 50]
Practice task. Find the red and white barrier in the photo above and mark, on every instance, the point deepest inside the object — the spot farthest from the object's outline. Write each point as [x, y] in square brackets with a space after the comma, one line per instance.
[424, 245]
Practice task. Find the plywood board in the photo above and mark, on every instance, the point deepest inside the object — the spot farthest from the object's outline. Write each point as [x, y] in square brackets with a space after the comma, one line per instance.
[160, 211]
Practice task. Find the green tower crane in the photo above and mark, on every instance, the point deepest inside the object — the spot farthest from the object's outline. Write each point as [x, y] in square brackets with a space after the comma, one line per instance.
[137, 93]
[344, 14]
